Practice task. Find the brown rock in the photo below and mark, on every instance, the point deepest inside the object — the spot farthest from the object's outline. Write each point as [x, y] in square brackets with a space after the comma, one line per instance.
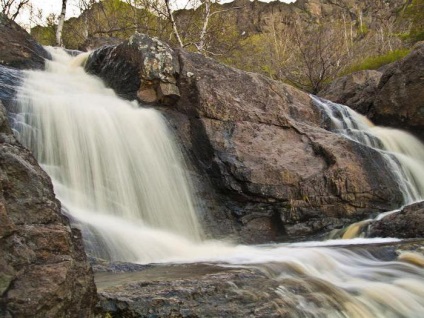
[265, 168]
[262, 146]
[18, 49]
[400, 99]
[356, 90]
[43, 268]
[408, 223]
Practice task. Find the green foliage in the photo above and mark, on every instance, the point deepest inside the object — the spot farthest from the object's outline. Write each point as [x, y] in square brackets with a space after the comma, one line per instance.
[363, 29]
[415, 13]
[375, 62]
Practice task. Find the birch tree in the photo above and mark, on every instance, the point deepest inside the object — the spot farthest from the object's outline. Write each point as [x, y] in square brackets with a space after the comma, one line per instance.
[12, 8]
[60, 24]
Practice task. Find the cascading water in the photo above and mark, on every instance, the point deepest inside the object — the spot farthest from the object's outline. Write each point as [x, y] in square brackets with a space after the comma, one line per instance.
[403, 152]
[119, 176]
[108, 161]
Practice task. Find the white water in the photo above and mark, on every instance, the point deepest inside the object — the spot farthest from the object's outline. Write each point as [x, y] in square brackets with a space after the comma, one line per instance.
[118, 174]
[106, 156]
[402, 151]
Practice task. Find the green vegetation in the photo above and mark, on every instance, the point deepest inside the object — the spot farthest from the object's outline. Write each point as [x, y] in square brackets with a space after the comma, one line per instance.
[375, 62]
[415, 14]
[307, 54]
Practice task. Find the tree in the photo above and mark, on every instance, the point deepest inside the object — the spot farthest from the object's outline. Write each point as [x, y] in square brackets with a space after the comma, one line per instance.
[12, 8]
[415, 13]
[318, 55]
[60, 24]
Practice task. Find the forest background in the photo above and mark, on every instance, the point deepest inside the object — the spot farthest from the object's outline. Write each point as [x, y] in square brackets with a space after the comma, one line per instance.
[307, 43]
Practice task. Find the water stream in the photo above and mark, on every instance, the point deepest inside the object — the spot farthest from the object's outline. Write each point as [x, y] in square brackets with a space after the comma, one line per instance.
[121, 178]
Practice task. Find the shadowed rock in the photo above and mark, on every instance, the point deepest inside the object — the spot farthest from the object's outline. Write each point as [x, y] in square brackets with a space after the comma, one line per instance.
[356, 90]
[141, 68]
[18, 49]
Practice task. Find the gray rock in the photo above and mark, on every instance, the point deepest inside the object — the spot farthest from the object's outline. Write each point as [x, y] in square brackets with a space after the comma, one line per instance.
[141, 68]
[356, 90]
[408, 223]
[399, 100]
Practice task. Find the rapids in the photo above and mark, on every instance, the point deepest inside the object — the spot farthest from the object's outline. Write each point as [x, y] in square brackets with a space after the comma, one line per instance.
[122, 180]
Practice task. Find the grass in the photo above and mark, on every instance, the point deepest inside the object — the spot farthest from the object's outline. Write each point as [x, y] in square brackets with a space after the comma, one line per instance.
[375, 62]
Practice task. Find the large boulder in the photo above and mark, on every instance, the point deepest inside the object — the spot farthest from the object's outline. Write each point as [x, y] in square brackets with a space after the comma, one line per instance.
[142, 67]
[266, 169]
[18, 49]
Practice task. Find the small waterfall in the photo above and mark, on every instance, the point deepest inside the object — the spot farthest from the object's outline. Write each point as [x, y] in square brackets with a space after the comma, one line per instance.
[403, 152]
[109, 160]
[120, 177]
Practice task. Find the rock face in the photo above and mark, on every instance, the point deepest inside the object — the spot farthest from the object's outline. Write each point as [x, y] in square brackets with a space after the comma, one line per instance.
[18, 49]
[43, 268]
[393, 98]
[408, 223]
[356, 90]
[265, 165]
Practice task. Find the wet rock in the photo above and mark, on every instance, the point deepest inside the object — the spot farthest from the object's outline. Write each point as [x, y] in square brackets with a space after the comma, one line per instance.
[399, 101]
[266, 168]
[97, 42]
[356, 90]
[275, 289]
[18, 49]
[274, 170]
[408, 223]
[43, 267]
[393, 98]
[141, 68]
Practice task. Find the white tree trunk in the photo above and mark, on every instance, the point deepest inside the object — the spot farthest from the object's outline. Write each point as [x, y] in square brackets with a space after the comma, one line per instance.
[60, 24]
[174, 24]
[201, 46]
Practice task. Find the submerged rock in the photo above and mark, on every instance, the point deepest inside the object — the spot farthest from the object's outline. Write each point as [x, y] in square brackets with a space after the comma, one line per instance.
[275, 289]
[266, 169]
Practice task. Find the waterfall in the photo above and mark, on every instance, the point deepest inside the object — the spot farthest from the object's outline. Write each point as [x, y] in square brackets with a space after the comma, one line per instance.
[403, 152]
[121, 178]
[109, 159]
